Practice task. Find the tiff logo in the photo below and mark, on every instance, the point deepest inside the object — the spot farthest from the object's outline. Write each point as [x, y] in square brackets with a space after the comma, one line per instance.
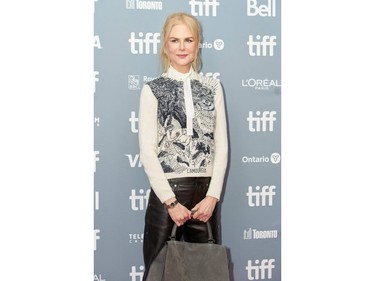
[96, 202]
[261, 198]
[261, 122]
[139, 202]
[214, 75]
[133, 122]
[96, 159]
[144, 43]
[96, 79]
[96, 237]
[137, 275]
[266, 10]
[261, 46]
[260, 270]
[206, 4]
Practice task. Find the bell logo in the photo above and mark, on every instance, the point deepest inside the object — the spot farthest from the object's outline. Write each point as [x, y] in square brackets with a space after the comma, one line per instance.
[266, 10]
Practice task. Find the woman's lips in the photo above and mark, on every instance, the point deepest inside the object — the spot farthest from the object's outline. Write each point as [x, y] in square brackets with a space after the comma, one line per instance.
[182, 56]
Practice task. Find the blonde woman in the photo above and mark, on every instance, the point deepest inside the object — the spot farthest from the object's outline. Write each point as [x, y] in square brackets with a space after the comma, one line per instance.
[183, 141]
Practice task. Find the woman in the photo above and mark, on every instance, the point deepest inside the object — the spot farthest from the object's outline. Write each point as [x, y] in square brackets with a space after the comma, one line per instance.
[183, 141]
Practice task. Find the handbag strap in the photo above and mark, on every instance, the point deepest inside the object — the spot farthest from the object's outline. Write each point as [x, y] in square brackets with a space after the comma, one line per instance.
[209, 230]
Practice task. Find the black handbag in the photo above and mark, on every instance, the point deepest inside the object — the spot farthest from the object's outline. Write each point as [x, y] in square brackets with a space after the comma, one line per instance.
[186, 261]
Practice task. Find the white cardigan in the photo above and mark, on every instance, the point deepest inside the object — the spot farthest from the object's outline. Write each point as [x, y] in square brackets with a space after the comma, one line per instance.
[167, 149]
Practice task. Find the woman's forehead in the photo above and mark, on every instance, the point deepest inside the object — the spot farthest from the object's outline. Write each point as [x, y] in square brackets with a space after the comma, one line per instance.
[180, 30]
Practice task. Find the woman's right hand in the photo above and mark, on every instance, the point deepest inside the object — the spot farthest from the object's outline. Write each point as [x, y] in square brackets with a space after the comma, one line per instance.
[179, 214]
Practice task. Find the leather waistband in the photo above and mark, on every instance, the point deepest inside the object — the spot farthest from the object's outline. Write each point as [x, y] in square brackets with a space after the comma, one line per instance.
[190, 180]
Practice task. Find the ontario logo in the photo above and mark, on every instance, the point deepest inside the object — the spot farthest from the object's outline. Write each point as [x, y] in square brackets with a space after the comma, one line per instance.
[218, 45]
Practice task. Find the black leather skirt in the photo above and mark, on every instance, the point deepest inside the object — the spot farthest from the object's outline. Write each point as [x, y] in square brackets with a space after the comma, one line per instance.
[189, 191]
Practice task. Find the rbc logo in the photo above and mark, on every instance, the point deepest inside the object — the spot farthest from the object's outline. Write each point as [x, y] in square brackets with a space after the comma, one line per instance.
[133, 82]
[144, 43]
[130, 4]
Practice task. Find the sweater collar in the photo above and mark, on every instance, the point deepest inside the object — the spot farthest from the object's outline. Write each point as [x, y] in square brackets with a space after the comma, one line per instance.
[174, 74]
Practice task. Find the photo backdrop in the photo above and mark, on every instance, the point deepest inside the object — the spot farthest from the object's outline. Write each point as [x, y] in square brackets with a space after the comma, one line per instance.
[241, 47]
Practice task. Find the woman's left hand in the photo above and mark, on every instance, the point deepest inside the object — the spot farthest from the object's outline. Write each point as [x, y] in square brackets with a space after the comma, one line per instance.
[203, 210]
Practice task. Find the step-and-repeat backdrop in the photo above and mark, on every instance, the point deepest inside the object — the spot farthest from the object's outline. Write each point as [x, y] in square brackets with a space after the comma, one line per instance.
[241, 47]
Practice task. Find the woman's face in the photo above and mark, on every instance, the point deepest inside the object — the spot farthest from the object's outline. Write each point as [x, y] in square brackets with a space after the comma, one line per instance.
[181, 48]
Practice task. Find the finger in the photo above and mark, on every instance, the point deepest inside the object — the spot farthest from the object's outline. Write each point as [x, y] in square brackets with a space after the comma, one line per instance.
[192, 212]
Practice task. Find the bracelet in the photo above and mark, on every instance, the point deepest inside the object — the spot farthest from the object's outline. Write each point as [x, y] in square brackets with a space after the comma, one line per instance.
[172, 205]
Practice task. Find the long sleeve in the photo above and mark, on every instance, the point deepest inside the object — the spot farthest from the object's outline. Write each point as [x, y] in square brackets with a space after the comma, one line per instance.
[167, 149]
[148, 144]
[221, 147]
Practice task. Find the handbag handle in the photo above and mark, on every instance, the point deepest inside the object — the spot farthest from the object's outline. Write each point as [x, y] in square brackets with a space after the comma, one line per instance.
[210, 236]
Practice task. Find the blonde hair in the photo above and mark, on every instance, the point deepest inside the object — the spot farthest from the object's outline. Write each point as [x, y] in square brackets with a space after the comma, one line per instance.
[195, 28]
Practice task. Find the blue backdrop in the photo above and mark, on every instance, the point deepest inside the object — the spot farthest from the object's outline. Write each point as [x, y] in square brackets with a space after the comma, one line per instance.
[241, 47]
